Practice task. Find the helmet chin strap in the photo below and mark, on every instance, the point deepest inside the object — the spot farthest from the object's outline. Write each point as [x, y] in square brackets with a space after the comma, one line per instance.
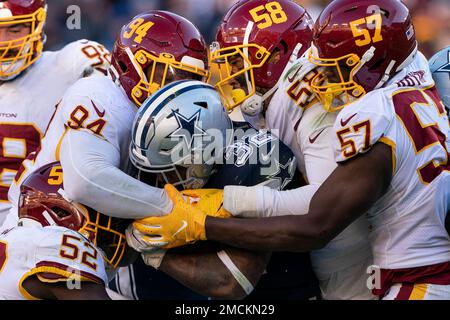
[254, 104]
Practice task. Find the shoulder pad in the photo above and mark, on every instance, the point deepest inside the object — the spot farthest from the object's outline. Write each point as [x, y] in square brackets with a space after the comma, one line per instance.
[85, 57]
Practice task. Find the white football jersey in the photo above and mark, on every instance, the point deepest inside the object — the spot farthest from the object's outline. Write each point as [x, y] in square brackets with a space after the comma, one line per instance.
[407, 223]
[28, 102]
[94, 104]
[53, 254]
[304, 125]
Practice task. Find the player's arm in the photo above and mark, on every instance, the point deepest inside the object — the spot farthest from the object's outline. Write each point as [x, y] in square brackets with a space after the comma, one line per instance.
[353, 187]
[92, 177]
[447, 222]
[206, 273]
[260, 202]
[363, 176]
[91, 152]
[60, 290]
[264, 202]
[67, 267]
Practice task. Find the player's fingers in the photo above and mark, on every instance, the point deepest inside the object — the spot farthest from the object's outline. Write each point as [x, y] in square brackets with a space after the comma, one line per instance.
[191, 193]
[145, 228]
[135, 240]
[155, 242]
[222, 213]
[173, 193]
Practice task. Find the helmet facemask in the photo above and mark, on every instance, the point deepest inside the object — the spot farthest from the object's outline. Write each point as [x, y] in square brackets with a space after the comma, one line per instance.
[18, 54]
[106, 233]
[155, 72]
[236, 71]
[335, 84]
[184, 175]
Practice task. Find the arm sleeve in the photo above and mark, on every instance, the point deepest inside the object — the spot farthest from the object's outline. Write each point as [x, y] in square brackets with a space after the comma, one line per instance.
[92, 177]
[262, 202]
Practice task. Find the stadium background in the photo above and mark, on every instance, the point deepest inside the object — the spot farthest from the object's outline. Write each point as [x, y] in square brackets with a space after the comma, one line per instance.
[102, 19]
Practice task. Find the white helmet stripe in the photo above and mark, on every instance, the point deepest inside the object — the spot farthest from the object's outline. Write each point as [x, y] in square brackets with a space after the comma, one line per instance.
[248, 30]
[135, 65]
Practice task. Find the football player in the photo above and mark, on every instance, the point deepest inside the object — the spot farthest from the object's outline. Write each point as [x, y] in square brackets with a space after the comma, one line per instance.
[32, 82]
[272, 88]
[391, 144]
[264, 73]
[60, 249]
[170, 131]
[90, 131]
[440, 68]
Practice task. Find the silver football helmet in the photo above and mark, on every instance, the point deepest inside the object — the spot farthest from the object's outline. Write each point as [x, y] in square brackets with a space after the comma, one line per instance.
[180, 132]
[440, 68]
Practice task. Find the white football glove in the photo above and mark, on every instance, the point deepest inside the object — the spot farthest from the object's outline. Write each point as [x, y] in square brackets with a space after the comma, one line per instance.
[152, 256]
[135, 240]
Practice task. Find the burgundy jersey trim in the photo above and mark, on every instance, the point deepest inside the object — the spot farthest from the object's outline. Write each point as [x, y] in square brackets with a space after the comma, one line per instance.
[65, 268]
[433, 274]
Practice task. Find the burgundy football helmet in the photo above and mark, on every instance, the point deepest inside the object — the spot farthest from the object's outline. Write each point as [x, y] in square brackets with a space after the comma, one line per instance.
[255, 42]
[156, 48]
[18, 54]
[362, 44]
[43, 202]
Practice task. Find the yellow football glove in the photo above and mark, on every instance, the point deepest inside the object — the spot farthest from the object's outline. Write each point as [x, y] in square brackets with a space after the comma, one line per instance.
[210, 201]
[184, 225]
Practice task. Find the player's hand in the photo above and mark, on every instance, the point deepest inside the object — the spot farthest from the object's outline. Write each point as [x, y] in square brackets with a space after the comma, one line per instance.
[136, 240]
[151, 256]
[210, 201]
[184, 225]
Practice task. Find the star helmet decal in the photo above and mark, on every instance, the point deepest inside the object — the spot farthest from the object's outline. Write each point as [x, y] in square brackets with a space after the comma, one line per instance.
[188, 128]
[284, 174]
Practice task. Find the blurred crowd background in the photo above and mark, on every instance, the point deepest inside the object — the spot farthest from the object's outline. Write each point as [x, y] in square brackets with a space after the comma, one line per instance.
[102, 19]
